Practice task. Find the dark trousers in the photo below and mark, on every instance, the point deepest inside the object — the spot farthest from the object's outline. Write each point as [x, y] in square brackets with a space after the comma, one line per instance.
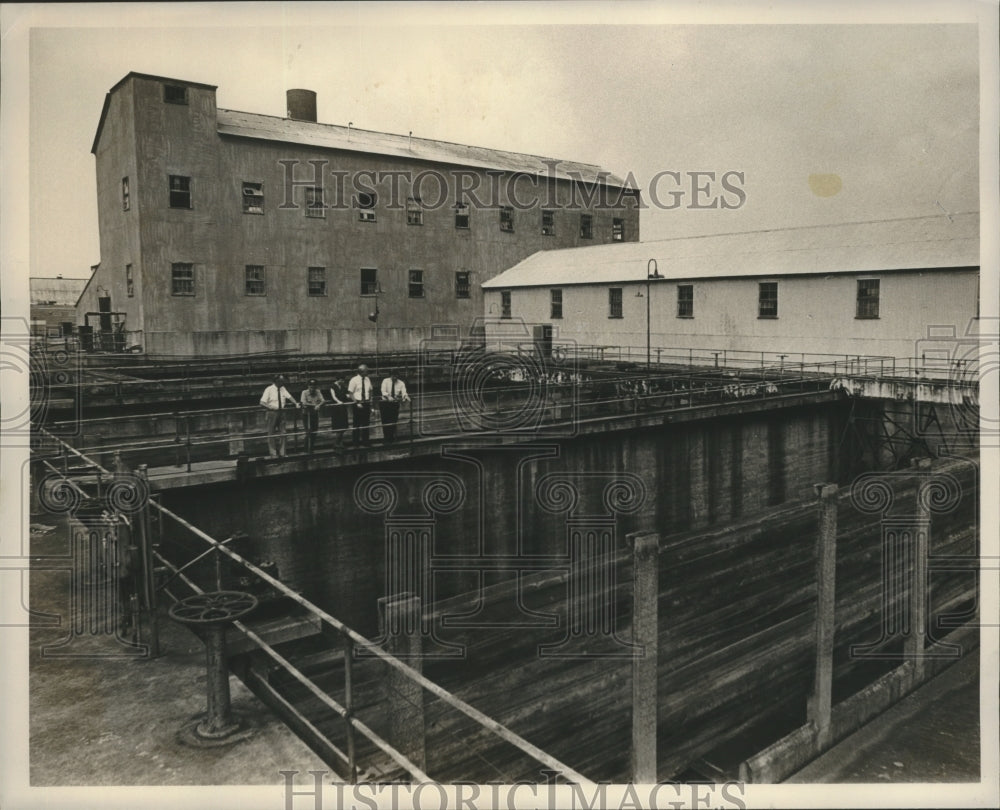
[362, 418]
[311, 418]
[389, 412]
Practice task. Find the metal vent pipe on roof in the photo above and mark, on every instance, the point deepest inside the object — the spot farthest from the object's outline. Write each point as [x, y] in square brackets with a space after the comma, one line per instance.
[301, 105]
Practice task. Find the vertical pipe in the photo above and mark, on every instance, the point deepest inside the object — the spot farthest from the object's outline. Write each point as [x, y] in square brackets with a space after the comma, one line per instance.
[645, 640]
[826, 569]
[187, 431]
[218, 721]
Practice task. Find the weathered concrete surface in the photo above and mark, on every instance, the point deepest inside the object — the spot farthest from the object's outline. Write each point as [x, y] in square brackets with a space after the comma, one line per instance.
[932, 735]
[115, 721]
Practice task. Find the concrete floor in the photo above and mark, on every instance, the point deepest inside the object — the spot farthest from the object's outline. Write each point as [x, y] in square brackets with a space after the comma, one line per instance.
[114, 720]
[932, 735]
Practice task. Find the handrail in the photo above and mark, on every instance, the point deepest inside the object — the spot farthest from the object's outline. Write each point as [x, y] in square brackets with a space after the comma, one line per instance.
[374, 649]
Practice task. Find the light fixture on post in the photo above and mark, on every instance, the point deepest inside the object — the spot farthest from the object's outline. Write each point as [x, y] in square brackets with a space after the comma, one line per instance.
[651, 275]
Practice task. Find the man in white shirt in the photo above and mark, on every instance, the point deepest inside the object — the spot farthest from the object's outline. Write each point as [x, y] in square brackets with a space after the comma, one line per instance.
[393, 393]
[359, 389]
[273, 400]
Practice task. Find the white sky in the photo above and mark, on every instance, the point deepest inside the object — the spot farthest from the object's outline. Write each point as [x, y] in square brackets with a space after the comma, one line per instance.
[893, 109]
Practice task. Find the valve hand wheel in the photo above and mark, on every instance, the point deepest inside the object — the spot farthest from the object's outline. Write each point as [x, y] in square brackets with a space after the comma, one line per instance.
[214, 607]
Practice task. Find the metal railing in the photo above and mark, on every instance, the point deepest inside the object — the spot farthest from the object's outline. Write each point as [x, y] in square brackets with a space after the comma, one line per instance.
[349, 638]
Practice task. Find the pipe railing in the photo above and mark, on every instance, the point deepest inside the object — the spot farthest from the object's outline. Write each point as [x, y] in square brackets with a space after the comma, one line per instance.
[352, 639]
[632, 395]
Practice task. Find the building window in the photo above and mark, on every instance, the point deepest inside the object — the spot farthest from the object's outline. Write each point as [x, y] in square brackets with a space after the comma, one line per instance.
[461, 215]
[255, 284]
[253, 198]
[126, 201]
[505, 303]
[414, 213]
[548, 223]
[685, 300]
[507, 219]
[175, 94]
[182, 279]
[617, 230]
[462, 284]
[315, 206]
[586, 226]
[868, 297]
[365, 203]
[767, 299]
[369, 281]
[317, 281]
[416, 284]
[129, 283]
[614, 302]
[180, 191]
[555, 304]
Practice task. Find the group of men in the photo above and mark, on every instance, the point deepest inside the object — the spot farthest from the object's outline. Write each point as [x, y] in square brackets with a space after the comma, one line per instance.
[358, 399]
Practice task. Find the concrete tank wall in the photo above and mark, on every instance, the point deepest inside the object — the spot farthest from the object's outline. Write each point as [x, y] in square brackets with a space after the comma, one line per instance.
[673, 479]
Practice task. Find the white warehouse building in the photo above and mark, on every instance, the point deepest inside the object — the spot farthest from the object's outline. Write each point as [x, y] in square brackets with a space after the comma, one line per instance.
[867, 288]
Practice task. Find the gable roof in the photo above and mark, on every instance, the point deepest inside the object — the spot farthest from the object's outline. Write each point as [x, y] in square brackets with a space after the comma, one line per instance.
[352, 139]
[895, 244]
[237, 124]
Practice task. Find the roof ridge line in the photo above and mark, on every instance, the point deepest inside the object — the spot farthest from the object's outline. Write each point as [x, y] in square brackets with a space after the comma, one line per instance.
[419, 138]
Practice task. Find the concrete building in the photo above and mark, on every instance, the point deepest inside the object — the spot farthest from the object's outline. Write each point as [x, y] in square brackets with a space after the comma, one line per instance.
[228, 232]
[869, 288]
[53, 302]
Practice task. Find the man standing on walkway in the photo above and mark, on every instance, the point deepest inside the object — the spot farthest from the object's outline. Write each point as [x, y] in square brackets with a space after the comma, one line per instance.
[393, 393]
[359, 389]
[312, 400]
[275, 398]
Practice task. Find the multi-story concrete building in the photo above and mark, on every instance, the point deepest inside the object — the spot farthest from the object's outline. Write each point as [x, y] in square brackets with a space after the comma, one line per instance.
[869, 288]
[229, 232]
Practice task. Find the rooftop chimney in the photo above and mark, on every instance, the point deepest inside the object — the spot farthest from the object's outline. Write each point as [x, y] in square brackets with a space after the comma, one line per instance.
[302, 105]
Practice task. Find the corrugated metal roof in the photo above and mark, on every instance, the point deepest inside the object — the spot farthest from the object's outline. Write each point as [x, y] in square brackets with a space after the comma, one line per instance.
[332, 136]
[57, 291]
[895, 244]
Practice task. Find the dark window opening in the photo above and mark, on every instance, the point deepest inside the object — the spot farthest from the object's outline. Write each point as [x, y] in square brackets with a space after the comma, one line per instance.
[182, 279]
[255, 283]
[317, 281]
[868, 295]
[555, 304]
[180, 191]
[617, 230]
[507, 219]
[253, 198]
[129, 282]
[315, 207]
[461, 215]
[767, 299]
[175, 94]
[126, 200]
[369, 281]
[548, 223]
[462, 289]
[685, 300]
[365, 203]
[416, 289]
[614, 302]
[586, 226]
[505, 303]
[414, 213]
